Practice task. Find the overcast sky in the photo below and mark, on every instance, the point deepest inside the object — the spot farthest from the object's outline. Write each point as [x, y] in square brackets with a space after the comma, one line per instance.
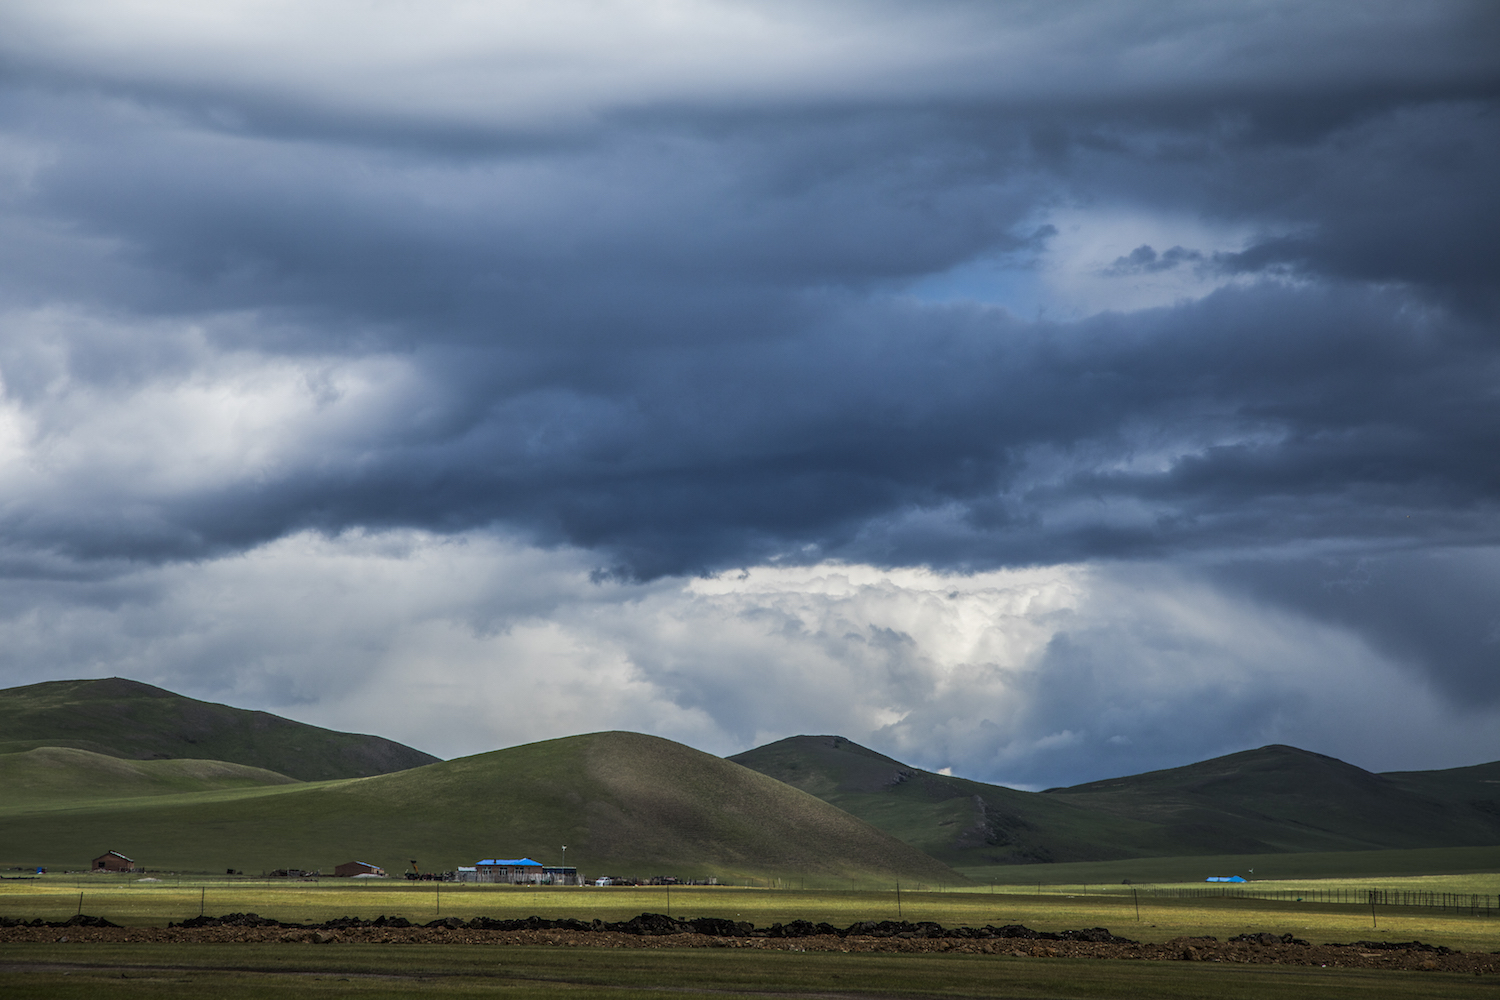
[1046, 391]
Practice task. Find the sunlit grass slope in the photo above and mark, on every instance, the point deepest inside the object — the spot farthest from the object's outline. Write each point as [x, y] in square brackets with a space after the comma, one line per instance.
[124, 718]
[1275, 799]
[61, 775]
[623, 803]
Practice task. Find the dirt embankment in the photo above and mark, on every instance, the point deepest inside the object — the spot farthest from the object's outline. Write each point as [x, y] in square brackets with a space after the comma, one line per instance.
[658, 931]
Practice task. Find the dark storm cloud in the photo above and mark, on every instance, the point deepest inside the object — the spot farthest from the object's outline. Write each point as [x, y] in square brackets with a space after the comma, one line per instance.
[956, 437]
[676, 332]
[1432, 609]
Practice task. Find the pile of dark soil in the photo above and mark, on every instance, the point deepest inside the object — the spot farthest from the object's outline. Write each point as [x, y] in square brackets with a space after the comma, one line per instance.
[660, 925]
[655, 930]
[80, 920]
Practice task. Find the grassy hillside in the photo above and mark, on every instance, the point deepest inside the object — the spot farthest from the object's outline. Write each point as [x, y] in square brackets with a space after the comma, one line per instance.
[623, 803]
[1476, 788]
[127, 719]
[961, 822]
[47, 775]
[1276, 799]
[1280, 798]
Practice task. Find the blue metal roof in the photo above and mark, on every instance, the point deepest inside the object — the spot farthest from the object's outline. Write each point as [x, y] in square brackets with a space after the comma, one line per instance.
[517, 861]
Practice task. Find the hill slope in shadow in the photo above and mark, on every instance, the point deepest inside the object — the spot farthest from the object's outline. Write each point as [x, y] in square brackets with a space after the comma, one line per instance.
[961, 822]
[1477, 787]
[1272, 800]
[1295, 800]
[127, 719]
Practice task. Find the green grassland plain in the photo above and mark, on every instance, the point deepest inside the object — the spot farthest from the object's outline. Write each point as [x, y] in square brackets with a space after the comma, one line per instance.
[252, 972]
[61, 971]
[1260, 867]
[128, 902]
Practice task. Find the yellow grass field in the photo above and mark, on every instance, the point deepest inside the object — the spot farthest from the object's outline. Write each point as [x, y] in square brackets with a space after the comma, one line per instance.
[127, 901]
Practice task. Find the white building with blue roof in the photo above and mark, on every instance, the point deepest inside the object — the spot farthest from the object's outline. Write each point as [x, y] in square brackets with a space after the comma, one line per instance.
[509, 871]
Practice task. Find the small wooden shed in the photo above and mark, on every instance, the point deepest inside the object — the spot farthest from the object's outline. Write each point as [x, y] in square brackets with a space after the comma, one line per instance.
[351, 868]
[113, 861]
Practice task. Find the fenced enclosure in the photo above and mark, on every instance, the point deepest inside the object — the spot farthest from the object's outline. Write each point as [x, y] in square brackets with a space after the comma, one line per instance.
[1477, 904]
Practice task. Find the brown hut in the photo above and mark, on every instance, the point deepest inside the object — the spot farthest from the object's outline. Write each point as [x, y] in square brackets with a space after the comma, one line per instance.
[113, 861]
[351, 868]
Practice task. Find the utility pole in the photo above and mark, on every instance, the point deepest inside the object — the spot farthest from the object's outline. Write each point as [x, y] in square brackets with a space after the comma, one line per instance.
[565, 864]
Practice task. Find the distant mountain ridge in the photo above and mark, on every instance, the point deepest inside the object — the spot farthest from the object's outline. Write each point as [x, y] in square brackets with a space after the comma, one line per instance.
[123, 718]
[158, 770]
[1271, 800]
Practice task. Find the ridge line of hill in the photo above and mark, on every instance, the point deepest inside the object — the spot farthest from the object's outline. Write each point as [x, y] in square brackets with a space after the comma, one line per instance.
[119, 717]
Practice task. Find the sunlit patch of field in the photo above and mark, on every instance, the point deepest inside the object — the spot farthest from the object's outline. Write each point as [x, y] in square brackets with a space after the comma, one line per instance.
[1487, 884]
[129, 902]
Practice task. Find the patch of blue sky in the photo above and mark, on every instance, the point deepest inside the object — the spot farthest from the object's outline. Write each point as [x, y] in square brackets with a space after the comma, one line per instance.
[988, 281]
[1093, 261]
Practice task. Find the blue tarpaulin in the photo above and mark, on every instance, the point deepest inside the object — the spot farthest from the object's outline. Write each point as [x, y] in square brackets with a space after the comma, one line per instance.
[1223, 878]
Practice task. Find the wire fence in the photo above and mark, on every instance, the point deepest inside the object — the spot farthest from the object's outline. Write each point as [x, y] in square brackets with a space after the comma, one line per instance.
[1462, 902]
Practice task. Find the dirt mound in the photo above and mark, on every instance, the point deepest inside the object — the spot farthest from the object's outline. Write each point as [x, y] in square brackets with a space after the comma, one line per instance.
[655, 930]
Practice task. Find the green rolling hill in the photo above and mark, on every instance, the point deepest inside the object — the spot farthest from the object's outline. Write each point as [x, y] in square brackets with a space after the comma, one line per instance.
[623, 803]
[127, 719]
[179, 784]
[961, 822]
[47, 775]
[1477, 787]
[1282, 799]
[1273, 800]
